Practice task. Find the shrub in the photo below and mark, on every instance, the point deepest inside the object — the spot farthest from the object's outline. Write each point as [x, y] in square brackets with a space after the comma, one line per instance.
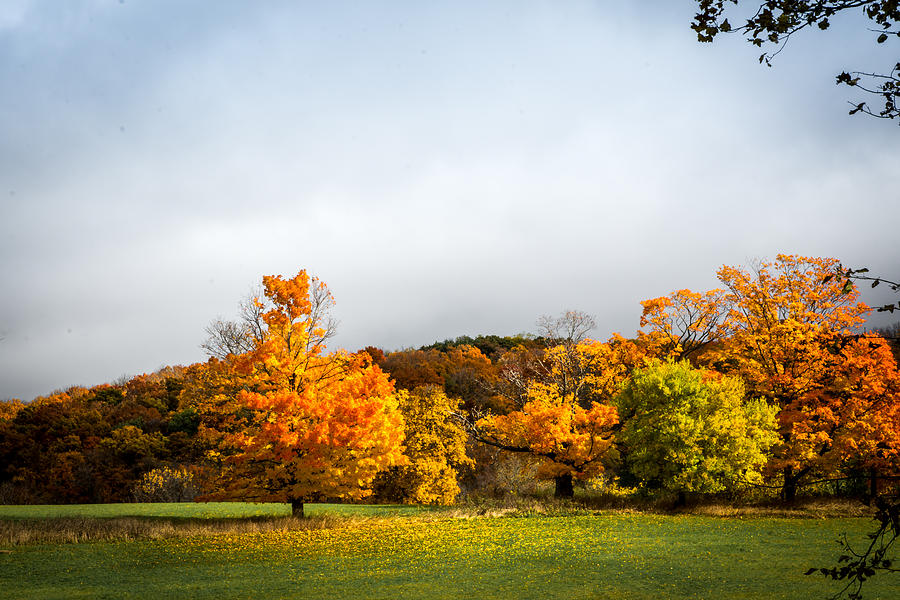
[166, 484]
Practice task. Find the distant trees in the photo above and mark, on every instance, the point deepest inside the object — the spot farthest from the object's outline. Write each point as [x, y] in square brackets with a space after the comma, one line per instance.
[90, 445]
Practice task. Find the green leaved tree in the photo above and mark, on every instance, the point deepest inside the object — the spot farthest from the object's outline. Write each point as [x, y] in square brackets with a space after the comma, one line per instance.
[692, 430]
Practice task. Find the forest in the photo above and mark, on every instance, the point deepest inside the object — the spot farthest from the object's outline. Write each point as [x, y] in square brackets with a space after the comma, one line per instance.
[766, 384]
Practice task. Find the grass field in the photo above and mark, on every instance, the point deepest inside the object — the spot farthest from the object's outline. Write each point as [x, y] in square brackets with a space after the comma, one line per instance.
[376, 555]
[201, 510]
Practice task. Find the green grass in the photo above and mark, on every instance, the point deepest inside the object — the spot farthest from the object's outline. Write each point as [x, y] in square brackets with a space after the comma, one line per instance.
[200, 510]
[625, 556]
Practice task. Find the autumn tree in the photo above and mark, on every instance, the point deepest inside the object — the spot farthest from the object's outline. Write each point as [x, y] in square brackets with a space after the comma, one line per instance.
[572, 439]
[857, 565]
[791, 339]
[684, 323]
[315, 425]
[692, 430]
[563, 412]
[853, 421]
[772, 23]
[435, 448]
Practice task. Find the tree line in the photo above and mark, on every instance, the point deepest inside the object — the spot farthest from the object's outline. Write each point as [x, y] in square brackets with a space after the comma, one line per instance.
[765, 381]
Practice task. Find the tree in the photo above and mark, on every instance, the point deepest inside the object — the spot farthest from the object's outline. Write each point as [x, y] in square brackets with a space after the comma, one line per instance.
[562, 408]
[775, 22]
[684, 323]
[572, 439]
[311, 425]
[691, 430]
[856, 566]
[788, 328]
[571, 327]
[435, 447]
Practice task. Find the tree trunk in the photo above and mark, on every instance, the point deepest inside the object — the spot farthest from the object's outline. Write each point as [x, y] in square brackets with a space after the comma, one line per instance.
[564, 488]
[681, 499]
[297, 508]
[873, 483]
[789, 488]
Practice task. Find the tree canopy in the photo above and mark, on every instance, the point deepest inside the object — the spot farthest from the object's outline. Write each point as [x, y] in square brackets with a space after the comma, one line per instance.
[772, 23]
[315, 425]
[691, 430]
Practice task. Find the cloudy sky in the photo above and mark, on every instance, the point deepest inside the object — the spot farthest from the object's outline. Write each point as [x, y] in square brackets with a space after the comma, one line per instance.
[447, 168]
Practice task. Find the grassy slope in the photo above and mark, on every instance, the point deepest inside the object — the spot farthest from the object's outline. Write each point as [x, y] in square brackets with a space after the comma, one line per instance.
[618, 556]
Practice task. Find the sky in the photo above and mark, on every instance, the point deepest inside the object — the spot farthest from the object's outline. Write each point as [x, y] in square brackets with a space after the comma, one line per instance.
[446, 168]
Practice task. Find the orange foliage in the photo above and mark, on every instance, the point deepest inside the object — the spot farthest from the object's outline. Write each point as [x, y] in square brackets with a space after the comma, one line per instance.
[574, 440]
[791, 340]
[564, 414]
[852, 417]
[9, 409]
[463, 371]
[683, 323]
[306, 424]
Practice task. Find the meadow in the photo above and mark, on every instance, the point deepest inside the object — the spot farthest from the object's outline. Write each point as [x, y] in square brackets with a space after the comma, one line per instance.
[408, 552]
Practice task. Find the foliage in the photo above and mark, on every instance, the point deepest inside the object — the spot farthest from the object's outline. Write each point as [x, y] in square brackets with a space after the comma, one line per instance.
[435, 448]
[774, 22]
[166, 484]
[462, 370]
[312, 425]
[9, 408]
[562, 417]
[689, 430]
[683, 323]
[791, 341]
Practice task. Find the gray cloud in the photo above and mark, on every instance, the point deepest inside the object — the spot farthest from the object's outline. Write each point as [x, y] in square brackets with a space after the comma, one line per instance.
[447, 170]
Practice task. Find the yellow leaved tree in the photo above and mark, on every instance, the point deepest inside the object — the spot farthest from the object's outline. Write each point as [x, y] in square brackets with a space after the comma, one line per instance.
[435, 446]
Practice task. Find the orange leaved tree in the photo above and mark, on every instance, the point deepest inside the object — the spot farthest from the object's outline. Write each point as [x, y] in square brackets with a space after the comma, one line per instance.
[684, 323]
[564, 412]
[314, 424]
[791, 338]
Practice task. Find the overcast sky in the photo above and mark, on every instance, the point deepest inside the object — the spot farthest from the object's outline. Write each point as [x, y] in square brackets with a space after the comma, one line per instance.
[447, 168]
